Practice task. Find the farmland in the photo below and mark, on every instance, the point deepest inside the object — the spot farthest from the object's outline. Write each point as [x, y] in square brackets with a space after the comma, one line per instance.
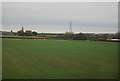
[59, 59]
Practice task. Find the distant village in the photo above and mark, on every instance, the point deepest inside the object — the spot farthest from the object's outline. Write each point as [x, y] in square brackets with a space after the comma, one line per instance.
[21, 32]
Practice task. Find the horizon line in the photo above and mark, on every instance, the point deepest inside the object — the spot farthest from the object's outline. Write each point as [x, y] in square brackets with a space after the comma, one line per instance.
[66, 31]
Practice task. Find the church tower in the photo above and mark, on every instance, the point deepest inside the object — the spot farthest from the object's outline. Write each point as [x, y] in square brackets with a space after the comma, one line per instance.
[22, 29]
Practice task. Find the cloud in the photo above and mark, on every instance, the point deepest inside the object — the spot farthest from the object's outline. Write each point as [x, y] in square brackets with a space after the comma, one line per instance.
[91, 14]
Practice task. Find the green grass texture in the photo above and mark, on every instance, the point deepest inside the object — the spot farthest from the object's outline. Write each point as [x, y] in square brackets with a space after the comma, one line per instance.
[59, 59]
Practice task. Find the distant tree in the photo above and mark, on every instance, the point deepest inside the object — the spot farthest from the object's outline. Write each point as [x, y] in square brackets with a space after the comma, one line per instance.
[20, 33]
[103, 37]
[11, 31]
[118, 35]
[34, 33]
[68, 36]
[79, 36]
[91, 36]
[72, 36]
[28, 33]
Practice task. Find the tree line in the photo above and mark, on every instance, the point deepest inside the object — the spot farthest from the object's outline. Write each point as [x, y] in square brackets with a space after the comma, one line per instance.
[88, 36]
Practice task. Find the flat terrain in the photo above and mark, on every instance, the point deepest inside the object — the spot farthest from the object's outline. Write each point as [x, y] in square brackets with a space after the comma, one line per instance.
[59, 59]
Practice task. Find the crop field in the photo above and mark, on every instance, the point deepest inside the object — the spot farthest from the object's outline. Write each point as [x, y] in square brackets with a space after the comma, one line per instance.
[59, 59]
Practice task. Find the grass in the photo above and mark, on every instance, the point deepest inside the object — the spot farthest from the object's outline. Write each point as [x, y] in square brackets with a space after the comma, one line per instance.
[48, 35]
[59, 59]
[22, 36]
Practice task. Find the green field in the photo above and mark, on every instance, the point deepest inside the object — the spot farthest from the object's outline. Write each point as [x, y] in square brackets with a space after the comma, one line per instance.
[59, 59]
[22, 36]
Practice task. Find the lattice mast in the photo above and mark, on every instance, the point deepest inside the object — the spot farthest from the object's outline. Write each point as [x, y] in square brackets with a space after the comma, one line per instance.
[70, 30]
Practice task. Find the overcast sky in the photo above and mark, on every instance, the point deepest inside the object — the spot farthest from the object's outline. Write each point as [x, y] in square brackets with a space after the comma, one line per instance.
[97, 17]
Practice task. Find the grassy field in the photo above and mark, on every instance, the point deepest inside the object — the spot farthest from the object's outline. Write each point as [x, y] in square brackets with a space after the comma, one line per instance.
[22, 36]
[59, 59]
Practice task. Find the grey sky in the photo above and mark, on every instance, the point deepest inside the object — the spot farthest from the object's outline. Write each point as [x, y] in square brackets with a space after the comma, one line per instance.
[55, 17]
